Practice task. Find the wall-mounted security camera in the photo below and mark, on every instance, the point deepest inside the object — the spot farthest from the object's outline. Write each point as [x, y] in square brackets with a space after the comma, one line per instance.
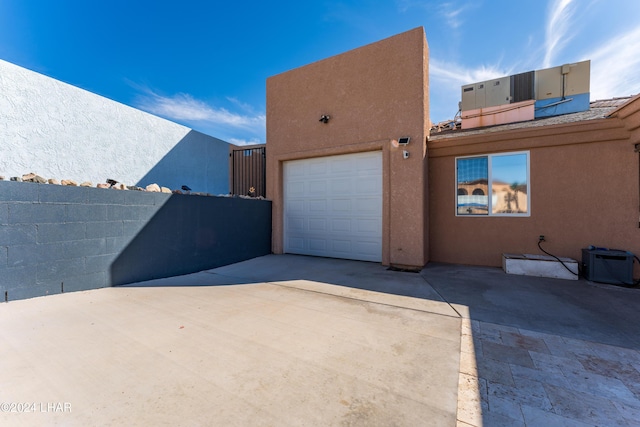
[404, 140]
[405, 154]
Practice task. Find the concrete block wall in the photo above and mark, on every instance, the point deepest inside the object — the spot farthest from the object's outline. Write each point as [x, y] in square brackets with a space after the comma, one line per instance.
[61, 131]
[57, 239]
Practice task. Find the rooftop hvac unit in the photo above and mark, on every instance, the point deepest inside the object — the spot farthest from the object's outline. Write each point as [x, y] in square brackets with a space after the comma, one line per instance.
[486, 94]
[563, 81]
[472, 97]
[492, 93]
[522, 86]
[557, 82]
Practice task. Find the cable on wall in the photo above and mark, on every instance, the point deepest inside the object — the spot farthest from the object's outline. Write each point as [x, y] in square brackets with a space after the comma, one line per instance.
[541, 239]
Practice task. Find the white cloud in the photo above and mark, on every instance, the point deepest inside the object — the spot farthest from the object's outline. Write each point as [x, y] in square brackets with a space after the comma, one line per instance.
[458, 75]
[452, 14]
[557, 33]
[615, 63]
[241, 142]
[183, 107]
[242, 105]
[446, 80]
[404, 5]
[615, 66]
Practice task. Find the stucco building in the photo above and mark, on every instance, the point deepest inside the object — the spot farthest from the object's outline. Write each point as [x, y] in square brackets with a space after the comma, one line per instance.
[343, 188]
[344, 185]
[582, 186]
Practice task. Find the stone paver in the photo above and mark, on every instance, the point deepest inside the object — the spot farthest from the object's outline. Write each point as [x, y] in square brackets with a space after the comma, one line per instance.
[569, 382]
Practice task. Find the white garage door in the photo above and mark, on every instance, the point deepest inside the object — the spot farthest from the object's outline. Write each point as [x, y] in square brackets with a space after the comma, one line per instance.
[333, 206]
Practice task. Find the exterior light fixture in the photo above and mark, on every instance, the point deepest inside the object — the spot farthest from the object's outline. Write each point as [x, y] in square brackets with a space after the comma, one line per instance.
[395, 143]
[325, 118]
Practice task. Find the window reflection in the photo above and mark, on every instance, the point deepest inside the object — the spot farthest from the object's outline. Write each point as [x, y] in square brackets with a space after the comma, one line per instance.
[509, 184]
[473, 178]
[502, 176]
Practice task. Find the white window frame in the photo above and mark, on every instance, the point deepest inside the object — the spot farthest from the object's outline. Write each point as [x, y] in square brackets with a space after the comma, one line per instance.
[490, 183]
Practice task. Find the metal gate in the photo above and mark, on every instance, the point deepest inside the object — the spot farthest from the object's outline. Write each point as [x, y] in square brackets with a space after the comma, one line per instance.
[248, 172]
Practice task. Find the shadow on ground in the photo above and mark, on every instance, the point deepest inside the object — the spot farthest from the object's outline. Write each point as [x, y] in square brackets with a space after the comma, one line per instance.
[570, 308]
[280, 268]
[575, 309]
[534, 351]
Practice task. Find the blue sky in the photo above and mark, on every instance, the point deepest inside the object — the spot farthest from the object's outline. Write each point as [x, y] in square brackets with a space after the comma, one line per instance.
[204, 64]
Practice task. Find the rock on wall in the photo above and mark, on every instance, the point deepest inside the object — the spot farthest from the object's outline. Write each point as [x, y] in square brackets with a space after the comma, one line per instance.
[61, 131]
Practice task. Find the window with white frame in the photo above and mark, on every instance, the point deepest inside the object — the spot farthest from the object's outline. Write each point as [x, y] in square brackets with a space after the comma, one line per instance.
[493, 184]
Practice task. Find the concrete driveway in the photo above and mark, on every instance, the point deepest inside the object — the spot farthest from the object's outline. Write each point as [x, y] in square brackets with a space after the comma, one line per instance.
[272, 341]
[304, 341]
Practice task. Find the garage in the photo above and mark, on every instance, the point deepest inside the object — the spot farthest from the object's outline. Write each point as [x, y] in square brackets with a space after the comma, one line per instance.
[333, 206]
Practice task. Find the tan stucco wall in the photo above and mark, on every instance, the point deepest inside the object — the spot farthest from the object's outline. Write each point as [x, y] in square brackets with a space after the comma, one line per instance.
[583, 186]
[374, 94]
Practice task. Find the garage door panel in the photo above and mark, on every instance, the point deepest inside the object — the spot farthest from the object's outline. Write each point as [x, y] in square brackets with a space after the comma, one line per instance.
[366, 248]
[340, 206]
[295, 207]
[317, 167]
[296, 170]
[317, 225]
[341, 225]
[317, 245]
[366, 186]
[368, 205]
[341, 186]
[317, 188]
[341, 165]
[341, 246]
[369, 226]
[317, 206]
[295, 188]
[366, 166]
[333, 206]
[296, 243]
[369, 160]
[295, 225]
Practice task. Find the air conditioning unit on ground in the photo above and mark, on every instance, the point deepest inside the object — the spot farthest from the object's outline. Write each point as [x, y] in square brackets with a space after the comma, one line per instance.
[607, 266]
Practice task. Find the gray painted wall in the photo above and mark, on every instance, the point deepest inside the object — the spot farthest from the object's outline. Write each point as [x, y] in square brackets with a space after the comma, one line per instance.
[57, 238]
[60, 131]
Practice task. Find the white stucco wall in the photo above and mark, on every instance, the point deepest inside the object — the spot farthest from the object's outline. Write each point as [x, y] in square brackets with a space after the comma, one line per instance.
[60, 131]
